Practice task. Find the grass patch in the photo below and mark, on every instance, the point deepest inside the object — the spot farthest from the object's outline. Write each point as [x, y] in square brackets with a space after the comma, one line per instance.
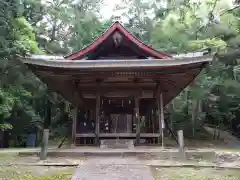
[195, 174]
[8, 158]
[29, 177]
[35, 173]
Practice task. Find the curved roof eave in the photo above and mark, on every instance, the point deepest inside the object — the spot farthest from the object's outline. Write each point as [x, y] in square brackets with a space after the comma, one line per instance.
[92, 64]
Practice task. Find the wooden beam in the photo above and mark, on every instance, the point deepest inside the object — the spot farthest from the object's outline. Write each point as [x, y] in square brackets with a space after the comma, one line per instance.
[115, 135]
[157, 90]
[144, 73]
[111, 89]
[117, 95]
[172, 85]
[57, 86]
[114, 84]
[82, 101]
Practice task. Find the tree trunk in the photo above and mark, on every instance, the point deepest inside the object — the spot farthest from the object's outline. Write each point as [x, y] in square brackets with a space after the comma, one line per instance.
[171, 110]
[187, 95]
[199, 110]
[196, 109]
[193, 117]
[54, 30]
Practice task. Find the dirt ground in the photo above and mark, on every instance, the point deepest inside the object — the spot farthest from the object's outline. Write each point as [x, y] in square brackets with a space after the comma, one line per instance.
[10, 168]
[195, 174]
[35, 173]
[21, 172]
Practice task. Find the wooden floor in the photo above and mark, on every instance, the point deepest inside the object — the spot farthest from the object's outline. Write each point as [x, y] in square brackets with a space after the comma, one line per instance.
[121, 135]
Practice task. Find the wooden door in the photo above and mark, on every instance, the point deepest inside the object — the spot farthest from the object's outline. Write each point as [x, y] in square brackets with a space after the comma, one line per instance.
[121, 123]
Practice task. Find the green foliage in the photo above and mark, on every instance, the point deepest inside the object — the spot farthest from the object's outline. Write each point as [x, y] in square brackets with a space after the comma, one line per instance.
[18, 38]
[215, 44]
[7, 102]
[85, 32]
[5, 126]
[187, 29]
[25, 37]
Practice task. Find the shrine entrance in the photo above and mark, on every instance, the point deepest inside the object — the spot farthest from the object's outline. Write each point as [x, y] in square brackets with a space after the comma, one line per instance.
[117, 115]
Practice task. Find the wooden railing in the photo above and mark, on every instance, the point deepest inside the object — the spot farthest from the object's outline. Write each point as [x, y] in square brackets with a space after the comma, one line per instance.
[120, 135]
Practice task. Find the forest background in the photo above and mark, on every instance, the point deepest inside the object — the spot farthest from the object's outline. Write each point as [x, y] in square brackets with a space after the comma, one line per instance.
[60, 27]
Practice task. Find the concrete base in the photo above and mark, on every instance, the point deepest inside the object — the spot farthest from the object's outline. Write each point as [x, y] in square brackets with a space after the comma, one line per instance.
[142, 153]
[117, 144]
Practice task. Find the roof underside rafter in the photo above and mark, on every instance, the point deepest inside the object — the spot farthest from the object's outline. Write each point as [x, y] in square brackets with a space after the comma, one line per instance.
[173, 74]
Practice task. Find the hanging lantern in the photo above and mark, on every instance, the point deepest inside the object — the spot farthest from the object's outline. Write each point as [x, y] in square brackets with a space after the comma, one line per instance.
[129, 101]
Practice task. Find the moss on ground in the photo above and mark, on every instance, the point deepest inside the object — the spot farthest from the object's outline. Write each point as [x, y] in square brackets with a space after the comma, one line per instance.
[55, 177]
[195, 174]
[35, 173]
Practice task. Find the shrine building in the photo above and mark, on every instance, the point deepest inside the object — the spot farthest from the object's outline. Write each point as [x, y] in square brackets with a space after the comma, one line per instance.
[118, 86]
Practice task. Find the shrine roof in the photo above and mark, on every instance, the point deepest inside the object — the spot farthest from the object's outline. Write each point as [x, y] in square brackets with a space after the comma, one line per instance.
[60, 62]
[174, 73]
[129, 38]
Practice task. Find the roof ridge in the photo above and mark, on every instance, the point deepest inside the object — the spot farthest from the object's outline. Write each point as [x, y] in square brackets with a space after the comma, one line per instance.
[117, 26]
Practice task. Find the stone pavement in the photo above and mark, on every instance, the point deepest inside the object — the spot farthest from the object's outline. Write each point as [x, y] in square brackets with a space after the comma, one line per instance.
[113, 168]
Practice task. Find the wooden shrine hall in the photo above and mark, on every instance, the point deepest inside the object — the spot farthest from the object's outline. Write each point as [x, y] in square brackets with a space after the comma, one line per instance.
[118, 86]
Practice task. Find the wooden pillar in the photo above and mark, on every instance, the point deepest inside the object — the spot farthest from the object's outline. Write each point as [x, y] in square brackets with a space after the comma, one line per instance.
[153, 119]
[74, 125]
[161, 115]
[137, 118]
[97, 118]
[158, 115]
[162, 118]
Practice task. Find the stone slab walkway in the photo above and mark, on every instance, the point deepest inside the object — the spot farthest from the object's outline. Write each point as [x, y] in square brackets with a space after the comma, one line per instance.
[112, 169]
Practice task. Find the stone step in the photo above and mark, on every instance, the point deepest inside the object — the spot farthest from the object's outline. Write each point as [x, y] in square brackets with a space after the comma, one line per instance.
[117, 143]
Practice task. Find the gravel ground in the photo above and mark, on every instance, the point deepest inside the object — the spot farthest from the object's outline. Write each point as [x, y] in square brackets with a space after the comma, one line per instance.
[34, 172]
[112, 169]
[195, 174]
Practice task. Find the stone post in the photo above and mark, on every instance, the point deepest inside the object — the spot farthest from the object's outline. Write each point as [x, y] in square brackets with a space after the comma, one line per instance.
[43, 153]
[181, 143]
[47, 122]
